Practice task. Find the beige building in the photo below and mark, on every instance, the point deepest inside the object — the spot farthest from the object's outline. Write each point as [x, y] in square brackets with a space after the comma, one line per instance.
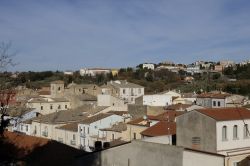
[68, 134]
[44, 126]
[124, 90]
[48, 105]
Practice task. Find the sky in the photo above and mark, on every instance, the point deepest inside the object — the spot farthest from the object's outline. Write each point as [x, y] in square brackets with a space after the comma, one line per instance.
[74, 34]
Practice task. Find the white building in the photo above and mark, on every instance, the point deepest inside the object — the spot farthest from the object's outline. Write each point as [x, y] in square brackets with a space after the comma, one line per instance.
[219, 100]
[124, 90]
[90, 132]
[222, 130]
[93, 71]
[157, 100]
[193, 69]
[148, 66]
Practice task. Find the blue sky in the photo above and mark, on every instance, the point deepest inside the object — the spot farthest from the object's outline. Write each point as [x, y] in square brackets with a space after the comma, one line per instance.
[71, 34]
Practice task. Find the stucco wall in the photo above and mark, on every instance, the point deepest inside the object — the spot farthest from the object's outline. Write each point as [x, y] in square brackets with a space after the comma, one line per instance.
[194, 124]
[231, 143]
[140, 153]
[192, 158]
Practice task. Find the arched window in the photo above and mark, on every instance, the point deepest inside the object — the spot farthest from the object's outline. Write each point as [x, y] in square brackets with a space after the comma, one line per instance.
[246, 131]
[224, 133]
[235, 132]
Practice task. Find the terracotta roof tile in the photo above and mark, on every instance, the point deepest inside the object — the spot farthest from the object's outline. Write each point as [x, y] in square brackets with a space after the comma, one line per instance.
[142, 122]
[213, 95]
[225, 114]
[169, 115]
[161, 128]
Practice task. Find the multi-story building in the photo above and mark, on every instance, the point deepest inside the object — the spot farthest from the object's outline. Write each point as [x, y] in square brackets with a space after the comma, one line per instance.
[217, 130]
[90, 129]
[48, 105]
[124, 90]
[219, 100]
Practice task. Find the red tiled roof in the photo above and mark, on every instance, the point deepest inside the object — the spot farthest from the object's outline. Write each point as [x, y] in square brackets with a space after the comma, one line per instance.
[225, 114]
[178, 106]
[140, 122]
[213, 95]
[161, 128]
[169, 115]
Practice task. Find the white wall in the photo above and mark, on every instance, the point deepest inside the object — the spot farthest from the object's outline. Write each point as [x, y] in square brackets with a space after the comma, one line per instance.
[130, 94]
[94, 129]
[192, 158]
[148, 65]
[157, 100]
[108, 100]
[231, 143]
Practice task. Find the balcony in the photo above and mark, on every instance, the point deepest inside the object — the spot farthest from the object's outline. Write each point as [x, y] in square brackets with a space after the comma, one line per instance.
[45, 133]
[73, 142]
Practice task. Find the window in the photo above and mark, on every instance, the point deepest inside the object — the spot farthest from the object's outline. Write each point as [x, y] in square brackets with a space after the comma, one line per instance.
[27, 128]
[59, 88]
[74, 137]
[59, 107]
[21, 127]
[113, 137]
[66, 106]
[224, 133]
[88, 130]
[123, 91]
[218, 103]
[246, 131]
[214, 103]
[235, 132]
[41, 107]
[139, 91]
[84, 130]
[51, 107]
[134, 135]
[235, 163]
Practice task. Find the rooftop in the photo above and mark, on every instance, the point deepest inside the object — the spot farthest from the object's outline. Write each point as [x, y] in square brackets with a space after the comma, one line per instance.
[124, 84]
[119, 127]
[95, 118]
[69, 116]
[178, 107]
[214, 95]
[169, 116]
[70, 127]
[159, 129]
[47, 100]
[226, 114]
[142, 121]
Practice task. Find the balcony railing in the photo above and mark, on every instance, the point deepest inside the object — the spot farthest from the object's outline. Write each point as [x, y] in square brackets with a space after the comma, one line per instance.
[45, 134]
